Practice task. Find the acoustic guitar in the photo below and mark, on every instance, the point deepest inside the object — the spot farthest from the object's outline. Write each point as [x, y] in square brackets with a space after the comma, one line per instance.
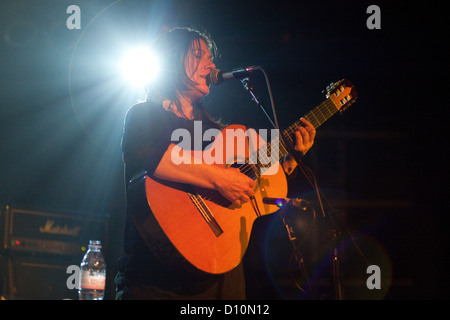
[199, 227]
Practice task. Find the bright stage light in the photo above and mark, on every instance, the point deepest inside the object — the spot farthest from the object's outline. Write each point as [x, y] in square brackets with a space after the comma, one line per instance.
[140, 66]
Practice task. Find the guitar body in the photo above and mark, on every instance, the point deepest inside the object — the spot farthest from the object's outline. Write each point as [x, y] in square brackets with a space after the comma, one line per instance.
[187, 229]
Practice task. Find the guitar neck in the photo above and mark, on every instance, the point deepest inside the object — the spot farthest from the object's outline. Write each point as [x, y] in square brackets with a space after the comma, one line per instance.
[317, 116]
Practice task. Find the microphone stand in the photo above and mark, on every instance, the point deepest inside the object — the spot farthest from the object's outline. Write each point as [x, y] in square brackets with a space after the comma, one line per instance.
[249, 87]
[289, 215]
[336, 268]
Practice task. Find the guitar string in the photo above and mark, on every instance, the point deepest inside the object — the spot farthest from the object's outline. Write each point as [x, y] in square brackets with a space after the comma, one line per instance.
[206, 213]
[326, 105]
[248, 168]
[322, 106]
[199, 206]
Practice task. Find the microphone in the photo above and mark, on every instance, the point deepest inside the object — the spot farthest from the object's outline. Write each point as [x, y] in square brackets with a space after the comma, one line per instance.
[281, 202]
[218, 76]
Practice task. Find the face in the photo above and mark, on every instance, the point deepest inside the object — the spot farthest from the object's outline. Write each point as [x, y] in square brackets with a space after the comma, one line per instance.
[198, 66]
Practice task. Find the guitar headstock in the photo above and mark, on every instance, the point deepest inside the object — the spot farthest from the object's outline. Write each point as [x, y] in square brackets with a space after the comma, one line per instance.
[342, 93]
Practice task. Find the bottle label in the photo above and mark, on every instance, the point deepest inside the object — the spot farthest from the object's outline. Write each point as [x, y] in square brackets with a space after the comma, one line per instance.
[92, 281]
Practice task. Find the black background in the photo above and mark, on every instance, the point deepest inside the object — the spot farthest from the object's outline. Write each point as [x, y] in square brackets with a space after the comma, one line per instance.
[62, 104]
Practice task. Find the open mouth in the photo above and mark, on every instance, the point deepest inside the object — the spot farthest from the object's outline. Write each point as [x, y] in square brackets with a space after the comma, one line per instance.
[208, 81]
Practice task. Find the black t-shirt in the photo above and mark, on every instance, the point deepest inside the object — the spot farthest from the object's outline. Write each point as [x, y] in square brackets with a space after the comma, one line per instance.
[147, 134]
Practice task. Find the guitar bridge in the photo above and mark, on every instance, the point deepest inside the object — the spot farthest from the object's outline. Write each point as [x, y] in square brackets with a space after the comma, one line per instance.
[206, 213]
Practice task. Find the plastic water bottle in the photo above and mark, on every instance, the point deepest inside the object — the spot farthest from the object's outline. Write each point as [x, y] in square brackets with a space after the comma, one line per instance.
[92, 273]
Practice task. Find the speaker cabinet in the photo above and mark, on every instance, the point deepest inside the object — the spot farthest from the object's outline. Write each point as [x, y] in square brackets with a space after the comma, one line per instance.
[41, 277]
[37, 248]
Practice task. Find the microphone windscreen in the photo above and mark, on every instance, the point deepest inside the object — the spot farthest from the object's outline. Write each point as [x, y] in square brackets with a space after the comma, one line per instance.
[214, 77]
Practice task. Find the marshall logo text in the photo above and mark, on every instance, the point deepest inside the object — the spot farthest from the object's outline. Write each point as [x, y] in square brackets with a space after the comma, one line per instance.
[51, 228]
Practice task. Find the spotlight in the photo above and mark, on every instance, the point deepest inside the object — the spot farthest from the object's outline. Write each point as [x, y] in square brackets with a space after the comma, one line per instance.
[139, 66]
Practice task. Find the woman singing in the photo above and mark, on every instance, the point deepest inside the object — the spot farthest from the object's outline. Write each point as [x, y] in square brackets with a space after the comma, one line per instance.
[175, 101]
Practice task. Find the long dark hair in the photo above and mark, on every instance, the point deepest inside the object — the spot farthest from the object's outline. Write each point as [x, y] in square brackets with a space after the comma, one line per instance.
[171, 49]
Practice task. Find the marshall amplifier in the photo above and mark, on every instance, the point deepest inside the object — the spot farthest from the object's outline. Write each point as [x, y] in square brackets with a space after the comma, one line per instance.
[43, 232]
[37, 247]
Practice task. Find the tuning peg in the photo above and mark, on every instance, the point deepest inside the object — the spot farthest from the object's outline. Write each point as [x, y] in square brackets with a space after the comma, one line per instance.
[330, 86]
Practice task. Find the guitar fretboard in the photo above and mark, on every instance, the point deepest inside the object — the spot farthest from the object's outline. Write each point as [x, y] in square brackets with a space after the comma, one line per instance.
[317, 116]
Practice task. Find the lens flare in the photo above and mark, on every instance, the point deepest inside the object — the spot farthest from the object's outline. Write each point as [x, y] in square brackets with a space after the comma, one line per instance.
[139, 66]
[316, 246]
